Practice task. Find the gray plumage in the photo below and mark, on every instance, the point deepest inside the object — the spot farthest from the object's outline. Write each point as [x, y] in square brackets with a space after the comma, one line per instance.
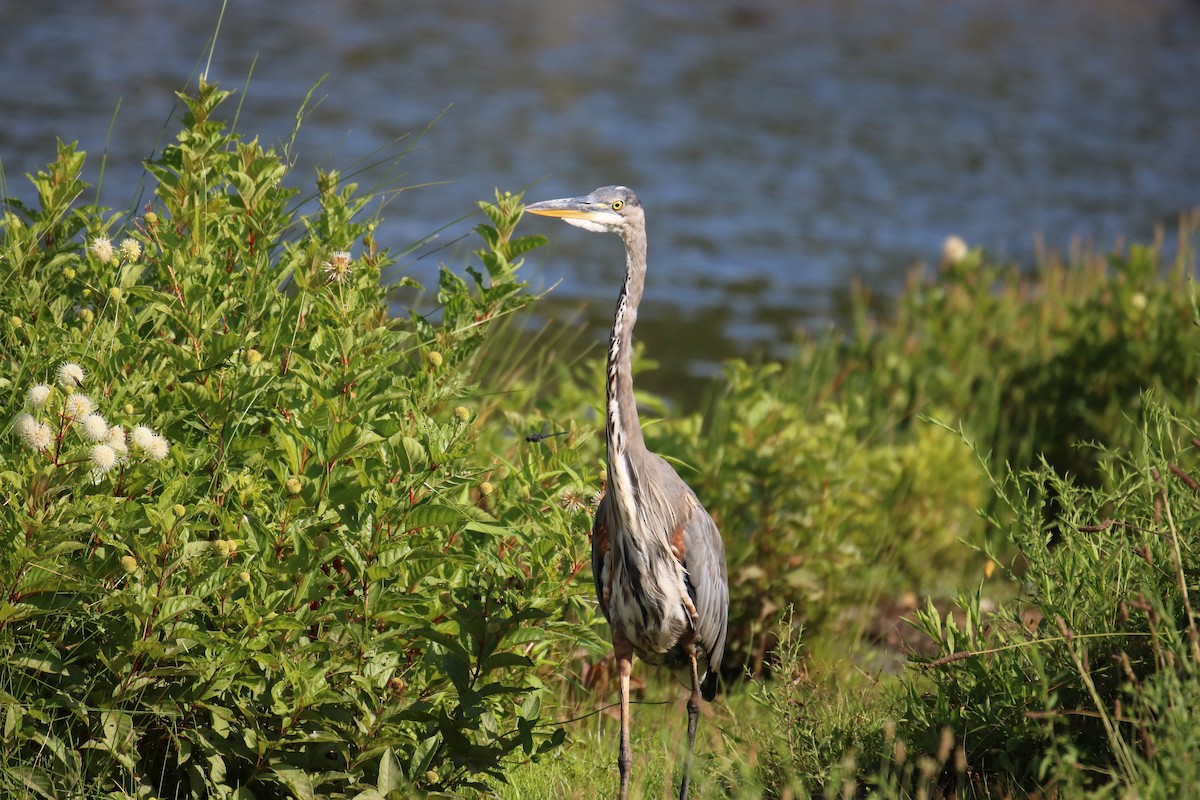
[657, 557]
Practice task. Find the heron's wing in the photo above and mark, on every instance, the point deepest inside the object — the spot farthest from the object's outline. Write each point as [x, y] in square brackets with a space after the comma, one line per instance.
[707, 578]
[600, 531]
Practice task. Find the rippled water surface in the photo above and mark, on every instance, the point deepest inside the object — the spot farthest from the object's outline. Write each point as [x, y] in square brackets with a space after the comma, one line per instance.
[780, 147]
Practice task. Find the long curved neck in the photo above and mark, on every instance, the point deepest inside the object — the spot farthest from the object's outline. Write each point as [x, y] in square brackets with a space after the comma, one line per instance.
[624, 429]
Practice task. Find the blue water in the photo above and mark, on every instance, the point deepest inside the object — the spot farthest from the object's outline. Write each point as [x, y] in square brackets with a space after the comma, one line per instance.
[780, 146]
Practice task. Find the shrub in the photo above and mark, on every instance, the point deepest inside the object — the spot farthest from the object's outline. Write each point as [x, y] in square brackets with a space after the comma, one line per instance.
[836, 498]
[1031, 363]
[294, 579]
[820, 510]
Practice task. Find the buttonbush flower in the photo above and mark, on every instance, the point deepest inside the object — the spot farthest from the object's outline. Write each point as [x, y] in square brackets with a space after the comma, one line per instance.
[102, 249]
[225, 548]
[24, 424]
[131, 250]
[954, 250]
[158, 449]
[37, 396]
[41, 436]
[70, 374]
[115, 438]
[36, 435]
[572, 501]
[102, 457]
[337, 267]
[142, 436]
[154, 446]
[94, 427]
[77, 406]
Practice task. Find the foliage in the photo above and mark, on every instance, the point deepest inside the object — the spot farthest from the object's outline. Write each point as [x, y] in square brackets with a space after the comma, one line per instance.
[836, 498]
[1082, 681]
[837, 495]
[305, 584]
[1032, 365]
[261, 539]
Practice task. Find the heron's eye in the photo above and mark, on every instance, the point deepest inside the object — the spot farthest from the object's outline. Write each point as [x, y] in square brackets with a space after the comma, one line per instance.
[617, 205]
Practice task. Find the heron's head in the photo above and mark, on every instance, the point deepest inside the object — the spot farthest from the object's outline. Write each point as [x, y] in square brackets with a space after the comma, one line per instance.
[609, 209]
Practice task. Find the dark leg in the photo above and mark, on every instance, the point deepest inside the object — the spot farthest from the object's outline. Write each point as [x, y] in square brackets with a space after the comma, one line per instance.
[693, 707]
[624, 667]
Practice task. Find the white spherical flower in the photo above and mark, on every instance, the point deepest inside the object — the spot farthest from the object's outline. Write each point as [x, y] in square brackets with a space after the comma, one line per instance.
[94, 427]
[37, 396]
[102, 249]
[102, 457]
[77, 406]
[24, 425]
[70, 374]
[142, 436]
[40, 437]
[130, 249]
[158, 449]
[115, 438]
[954, 250]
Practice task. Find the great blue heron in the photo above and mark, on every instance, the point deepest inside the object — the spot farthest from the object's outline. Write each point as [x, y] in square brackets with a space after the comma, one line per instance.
[657, 556]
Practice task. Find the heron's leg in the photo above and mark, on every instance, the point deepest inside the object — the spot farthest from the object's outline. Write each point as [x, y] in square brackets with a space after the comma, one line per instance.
[624, 666]
[693, 709]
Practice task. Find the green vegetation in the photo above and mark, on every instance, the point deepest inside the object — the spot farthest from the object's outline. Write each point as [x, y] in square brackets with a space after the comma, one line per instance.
[274, 564]
[260, 539]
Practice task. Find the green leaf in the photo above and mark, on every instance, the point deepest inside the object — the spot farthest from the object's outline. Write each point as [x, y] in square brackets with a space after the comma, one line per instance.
[416, 454]
[296, 780]
[345, 438]
[38, 665]
[390, 776]
[446, 641]
[13, 612]
[431, 515]
[34, 779]
[501, 660]
[172, 607]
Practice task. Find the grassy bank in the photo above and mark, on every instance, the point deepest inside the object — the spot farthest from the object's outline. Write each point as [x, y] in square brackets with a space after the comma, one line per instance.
[261, 539]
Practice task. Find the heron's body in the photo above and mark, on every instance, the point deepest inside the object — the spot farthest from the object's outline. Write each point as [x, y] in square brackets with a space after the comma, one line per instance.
[657, 556]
